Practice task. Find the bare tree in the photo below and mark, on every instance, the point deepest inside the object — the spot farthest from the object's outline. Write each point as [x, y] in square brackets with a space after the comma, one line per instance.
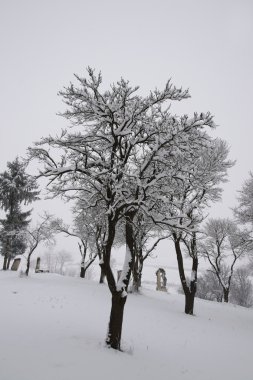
[43, 232]
[242, 288]
[90, 225]
[114, 159]
[223, 246]
[194, 192]
[63, 257]
[209, 287]
[87, 230]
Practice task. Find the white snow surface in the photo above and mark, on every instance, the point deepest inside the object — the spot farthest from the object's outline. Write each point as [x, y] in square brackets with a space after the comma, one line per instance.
[53, 327]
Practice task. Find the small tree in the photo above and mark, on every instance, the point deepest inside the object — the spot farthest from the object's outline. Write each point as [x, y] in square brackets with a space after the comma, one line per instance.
[43, 232]
[90, 227]
[86, 233]
[203, 169]
[223, 246]
[61, 258]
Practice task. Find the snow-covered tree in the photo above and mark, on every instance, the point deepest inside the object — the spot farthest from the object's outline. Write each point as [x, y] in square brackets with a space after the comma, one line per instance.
[244, 211]
[86, 235]
[241, 288]
[16, 188]
[223, 246]
[194, 190]
[114, 154]
[90, 224]
[42, 232]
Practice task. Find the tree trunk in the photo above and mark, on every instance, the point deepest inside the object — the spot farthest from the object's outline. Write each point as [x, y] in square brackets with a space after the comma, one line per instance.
[136, 282]
[82, 272]
[189, 303]
[102, 275]
[8, 262]
[225, 294]
[189, 291]
[129, 245]
[119, 296]
[5, 262]
[116, 316]
[27, 266]
[6, 254]
[137, 272]
[116, 320]
[190, 297]
[83, 250]
[180, 265]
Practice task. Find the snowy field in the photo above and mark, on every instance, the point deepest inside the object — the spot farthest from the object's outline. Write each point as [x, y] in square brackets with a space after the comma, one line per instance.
[53, 328]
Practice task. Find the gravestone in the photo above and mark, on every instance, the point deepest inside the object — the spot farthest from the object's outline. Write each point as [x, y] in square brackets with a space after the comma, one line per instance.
[161, 280]
[15, 264]
[37, 268]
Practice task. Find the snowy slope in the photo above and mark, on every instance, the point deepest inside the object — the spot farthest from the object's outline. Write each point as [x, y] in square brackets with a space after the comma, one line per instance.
[53, 327]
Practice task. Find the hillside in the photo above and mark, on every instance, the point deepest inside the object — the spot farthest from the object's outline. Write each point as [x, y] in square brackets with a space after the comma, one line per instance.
[53, 327]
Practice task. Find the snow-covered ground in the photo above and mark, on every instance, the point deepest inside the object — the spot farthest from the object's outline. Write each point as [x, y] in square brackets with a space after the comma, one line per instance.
[53, 328]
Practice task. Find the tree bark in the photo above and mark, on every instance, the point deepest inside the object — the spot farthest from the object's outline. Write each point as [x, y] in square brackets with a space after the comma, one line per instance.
[180, 265]
[102, 275]
[5, 262]
[137, 275]
[28, 265]
[137, 270]
[8, 262]
[190, 297]
[116, 320]
[130, 245]
[116, 315]
[82, 272]
[136, 282]
[83, 250]
[225, 294]
[189, 303]
[6, 254]
[189, 291]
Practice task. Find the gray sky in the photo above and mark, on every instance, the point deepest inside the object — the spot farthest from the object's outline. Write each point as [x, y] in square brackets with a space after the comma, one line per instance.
[206, 45]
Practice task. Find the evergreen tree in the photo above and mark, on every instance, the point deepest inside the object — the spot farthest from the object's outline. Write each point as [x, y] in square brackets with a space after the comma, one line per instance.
[16, 187]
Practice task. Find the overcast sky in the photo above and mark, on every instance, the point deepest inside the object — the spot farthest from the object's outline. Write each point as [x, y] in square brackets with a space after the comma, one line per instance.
[204, 45]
